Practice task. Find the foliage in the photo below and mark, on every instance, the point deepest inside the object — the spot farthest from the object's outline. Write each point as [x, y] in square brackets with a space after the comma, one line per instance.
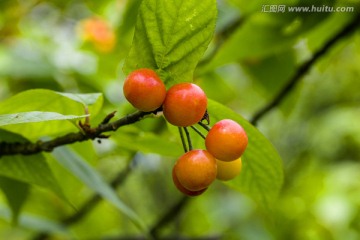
[63, 62]
[171, 37]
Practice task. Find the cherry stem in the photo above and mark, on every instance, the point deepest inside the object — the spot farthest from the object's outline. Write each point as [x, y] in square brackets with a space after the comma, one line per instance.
[188, 138]
[198, 132]
[182, 139]
[87, 118]
[204, 126]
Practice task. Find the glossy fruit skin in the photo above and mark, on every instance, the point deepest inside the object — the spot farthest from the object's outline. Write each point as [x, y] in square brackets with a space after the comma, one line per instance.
[185, 104]
[144, 90]
[182, 189]
[196, 170]
[226, 140]
[228, 170]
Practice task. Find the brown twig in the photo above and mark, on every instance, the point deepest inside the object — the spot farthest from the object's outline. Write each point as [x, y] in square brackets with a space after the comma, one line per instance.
[87, 133]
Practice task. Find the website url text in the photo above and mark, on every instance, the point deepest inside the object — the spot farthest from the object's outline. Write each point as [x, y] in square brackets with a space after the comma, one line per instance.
[305, 9]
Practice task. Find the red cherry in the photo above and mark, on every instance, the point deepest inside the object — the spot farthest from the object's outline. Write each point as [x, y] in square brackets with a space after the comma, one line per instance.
[144, 90]
[226, 140]
[185, 104]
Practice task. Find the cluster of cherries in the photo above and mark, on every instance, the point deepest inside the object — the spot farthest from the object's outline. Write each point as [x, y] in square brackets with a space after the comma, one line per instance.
[184, 105]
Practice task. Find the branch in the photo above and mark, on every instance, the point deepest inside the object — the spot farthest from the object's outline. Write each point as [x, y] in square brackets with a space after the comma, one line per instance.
[169, 216]
[88, 205]
[304, 68]
[88, 133]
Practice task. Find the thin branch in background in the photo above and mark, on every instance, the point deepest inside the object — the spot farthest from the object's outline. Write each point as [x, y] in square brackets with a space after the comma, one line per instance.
[171, 214]
[87, 133]
[170, 237]
[304, 68]
[90, 204]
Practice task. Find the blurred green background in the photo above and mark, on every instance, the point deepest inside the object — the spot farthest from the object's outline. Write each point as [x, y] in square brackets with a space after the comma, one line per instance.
[80, 47]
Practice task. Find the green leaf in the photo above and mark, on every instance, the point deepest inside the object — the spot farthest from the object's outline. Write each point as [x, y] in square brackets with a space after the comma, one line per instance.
[132, 138]
[247, 7]
[216, 87]
[262, 35]
[34, 116]
[272, 72]
[262, 173]
[82, 170]
[32, 169]
[34, 222]
[128, 20]
[171, 36]
[42, 100]
[16, 193]
[84, 98]
[317, 37]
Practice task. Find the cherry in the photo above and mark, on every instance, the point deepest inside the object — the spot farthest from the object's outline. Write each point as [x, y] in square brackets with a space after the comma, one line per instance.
[185, 104]
[99, 33]
[226, 140]
[195, 170]
[182, 189]
[144, 90]
[228, 170]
